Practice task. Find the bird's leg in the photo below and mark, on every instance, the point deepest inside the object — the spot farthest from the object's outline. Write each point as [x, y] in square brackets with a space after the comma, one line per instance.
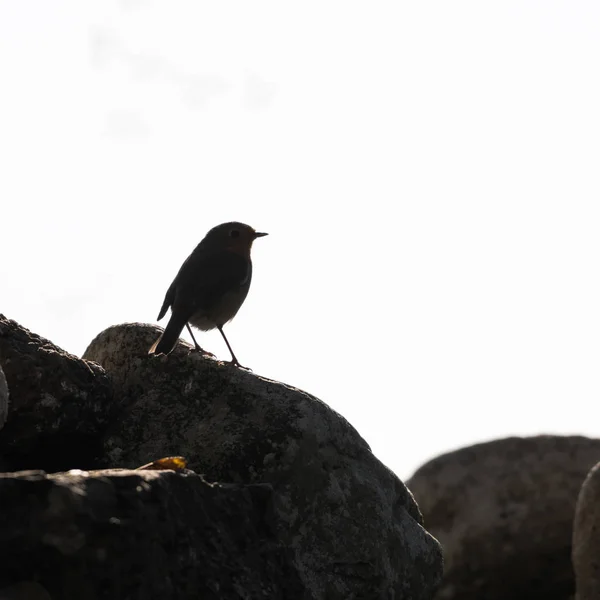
[234, 360]
[195, 342]
[198, 349]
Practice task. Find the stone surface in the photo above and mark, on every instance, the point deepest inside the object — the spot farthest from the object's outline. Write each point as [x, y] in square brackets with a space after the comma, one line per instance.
[3, 398]
[586, 538]
[140, 535]
[503, 512]
[59, 404]
[24, 590]
[352, 526]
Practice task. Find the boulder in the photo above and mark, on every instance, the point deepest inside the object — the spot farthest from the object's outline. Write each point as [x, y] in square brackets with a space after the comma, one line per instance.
[353, 528]
[139, 535]
[586, 538]
[503, 512]
[59, 404]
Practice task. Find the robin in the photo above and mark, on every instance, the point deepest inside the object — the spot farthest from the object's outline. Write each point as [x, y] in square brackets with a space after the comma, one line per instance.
[210, 287]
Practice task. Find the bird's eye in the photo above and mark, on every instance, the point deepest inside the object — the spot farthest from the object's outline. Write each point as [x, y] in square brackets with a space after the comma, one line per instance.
[234, 233]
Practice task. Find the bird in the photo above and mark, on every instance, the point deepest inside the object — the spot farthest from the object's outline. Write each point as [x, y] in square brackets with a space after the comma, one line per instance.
[210, 286]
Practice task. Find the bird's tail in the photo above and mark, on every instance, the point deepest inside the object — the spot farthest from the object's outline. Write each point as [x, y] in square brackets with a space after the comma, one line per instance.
[166, 342]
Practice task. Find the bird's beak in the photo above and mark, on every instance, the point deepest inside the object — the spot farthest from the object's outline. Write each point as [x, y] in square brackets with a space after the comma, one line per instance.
[258, 234]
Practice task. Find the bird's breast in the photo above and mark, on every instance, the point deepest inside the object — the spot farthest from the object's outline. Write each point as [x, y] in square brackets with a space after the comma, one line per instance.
[222, 312]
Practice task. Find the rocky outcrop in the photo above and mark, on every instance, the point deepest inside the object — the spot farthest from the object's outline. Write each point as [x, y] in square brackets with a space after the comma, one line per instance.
[586, 538]
[58, 407]
[352, 526]
[301, 510]
[141, 535]
[503, 512]
[3, 398]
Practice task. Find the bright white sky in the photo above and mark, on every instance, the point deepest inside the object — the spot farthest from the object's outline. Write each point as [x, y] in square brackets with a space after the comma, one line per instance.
[428, 172]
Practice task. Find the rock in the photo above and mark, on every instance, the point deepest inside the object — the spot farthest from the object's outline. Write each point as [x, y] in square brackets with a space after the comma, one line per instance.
[141, 535]
[59, 404]
[3, 398]
[503, 512]
[586, 538]
[351, 524]
[25, 590]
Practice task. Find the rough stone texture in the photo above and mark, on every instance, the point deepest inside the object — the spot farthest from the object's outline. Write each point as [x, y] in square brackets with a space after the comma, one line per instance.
[354, 529]
[140, 535]
[586, 538]
[24, 590]
[3, 398]
[503, 512]
[59, 404]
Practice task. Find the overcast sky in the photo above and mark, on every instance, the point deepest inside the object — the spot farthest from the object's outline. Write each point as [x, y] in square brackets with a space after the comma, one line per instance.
[428, 173]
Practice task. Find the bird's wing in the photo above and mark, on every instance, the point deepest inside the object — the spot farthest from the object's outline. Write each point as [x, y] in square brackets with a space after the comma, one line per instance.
[205, 278]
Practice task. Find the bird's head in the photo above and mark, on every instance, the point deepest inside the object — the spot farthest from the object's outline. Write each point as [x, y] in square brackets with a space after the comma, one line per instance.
[233, 236]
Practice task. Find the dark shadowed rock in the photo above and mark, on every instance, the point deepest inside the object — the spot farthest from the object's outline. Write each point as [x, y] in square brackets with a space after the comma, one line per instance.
[140, 535]
[3, 398]
[503, 512]
[353, 527]
[24, 590]
[586, 538]
[58, 403]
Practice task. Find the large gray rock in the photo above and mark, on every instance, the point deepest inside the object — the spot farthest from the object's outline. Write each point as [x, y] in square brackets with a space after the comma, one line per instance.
[353, 527]
[3, 398]
[586, 538]
[59, 404]
[503, 512]
[139, 535]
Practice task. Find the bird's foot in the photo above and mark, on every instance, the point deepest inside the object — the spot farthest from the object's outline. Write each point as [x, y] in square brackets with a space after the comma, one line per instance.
[202, 351]
[235, 363]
